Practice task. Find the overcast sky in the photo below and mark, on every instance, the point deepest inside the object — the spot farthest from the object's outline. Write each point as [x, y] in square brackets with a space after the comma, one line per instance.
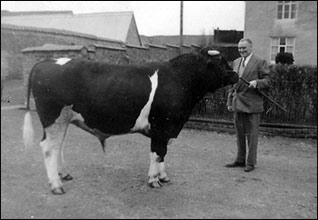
[154, 17]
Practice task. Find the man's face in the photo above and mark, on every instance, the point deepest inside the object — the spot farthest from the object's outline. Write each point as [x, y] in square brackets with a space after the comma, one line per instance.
[244, 48]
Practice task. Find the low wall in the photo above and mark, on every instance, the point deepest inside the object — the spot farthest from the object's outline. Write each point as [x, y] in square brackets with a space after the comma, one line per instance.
[292, 131]
[14, 39]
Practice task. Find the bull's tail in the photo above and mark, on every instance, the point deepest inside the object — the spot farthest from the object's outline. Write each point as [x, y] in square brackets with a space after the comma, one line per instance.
[27, 128]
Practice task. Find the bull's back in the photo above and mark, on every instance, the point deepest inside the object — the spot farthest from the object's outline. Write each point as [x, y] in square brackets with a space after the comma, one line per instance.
[109, 97]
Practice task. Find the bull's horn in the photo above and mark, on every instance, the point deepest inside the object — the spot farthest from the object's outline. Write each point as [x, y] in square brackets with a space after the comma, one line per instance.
[213, 52]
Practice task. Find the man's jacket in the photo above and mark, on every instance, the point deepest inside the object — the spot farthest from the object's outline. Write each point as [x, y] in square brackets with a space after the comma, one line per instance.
[240, 96]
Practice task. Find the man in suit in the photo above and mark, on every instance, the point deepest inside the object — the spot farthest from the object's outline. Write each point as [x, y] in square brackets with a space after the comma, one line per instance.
[247, 104]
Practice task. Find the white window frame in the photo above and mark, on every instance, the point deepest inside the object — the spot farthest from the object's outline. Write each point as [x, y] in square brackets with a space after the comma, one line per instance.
[277, 46]
[287, 8]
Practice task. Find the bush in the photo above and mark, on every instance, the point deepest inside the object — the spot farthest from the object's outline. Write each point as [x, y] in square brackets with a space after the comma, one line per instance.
[284, 58]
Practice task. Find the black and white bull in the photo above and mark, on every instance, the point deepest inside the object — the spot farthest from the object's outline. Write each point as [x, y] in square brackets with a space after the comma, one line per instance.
[154, 99]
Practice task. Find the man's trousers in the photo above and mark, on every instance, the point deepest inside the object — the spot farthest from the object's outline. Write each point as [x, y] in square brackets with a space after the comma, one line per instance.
[247, 127]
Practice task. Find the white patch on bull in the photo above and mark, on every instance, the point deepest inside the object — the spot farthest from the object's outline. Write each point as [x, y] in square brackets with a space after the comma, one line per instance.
[142, 122]
[62, 61]
[213, 52]
[162, 173]
[153, 168]
[157, 170]
[52, 146]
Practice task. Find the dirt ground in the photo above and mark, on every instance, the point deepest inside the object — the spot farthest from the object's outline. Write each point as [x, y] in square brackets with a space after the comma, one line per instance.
[114, 184]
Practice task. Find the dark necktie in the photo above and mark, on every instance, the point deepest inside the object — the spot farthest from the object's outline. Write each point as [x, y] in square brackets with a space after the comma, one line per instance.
[244, 58]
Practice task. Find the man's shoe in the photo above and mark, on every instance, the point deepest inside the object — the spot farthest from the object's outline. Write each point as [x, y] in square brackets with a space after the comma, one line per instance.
[235, 164]
[249, 168]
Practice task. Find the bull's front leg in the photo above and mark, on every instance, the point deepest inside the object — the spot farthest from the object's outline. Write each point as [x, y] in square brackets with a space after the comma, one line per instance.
[157, 174]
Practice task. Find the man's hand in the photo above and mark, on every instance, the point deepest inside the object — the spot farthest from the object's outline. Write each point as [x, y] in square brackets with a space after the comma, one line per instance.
[253, 84]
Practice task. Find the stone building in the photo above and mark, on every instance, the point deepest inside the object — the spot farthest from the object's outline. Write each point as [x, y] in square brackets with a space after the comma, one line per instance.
[283, 26]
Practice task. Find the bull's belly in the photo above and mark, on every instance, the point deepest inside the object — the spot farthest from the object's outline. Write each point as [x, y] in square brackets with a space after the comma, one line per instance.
[116, 125]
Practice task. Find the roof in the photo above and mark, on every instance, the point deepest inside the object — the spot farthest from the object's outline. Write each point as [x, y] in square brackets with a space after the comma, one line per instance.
[15, 13]
[110, 25]
[57, 31]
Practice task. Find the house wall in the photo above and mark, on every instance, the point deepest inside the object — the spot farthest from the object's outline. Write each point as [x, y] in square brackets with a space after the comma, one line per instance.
[261, 24]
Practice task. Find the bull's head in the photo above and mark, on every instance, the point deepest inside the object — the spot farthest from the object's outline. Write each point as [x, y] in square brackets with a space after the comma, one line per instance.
[220, 68]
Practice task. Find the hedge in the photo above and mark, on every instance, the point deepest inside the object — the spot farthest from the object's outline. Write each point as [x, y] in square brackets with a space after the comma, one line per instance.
[294, 87]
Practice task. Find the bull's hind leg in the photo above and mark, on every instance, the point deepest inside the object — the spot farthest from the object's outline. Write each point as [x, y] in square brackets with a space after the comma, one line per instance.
[63, 173]
[52, 146]
[157, 174]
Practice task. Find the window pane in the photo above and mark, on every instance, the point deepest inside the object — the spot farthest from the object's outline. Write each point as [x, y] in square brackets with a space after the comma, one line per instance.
[279, 11]
[293, 14]
[289, 49]
[282, 41]
[282, 49]
[274, 50]
[290, 41]
[286, 8]
[293, 11]
[273, 57]
[286, 15]
[274, 53]
[286, 11]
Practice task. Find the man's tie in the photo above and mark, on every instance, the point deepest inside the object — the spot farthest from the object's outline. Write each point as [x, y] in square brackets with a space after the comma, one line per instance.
[244, 58]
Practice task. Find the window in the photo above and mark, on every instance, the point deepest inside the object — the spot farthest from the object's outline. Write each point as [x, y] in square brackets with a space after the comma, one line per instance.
[286, 9]
[281, 45]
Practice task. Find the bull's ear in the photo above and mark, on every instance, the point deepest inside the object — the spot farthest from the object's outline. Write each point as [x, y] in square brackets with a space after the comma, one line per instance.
[213, 52]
